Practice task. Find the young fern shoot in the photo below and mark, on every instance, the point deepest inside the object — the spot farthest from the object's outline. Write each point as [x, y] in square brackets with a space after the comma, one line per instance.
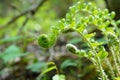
[78, 19]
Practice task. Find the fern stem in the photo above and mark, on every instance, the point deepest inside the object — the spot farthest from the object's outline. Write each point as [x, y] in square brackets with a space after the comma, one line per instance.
[98, 61]
[110, 67]
[115, 61]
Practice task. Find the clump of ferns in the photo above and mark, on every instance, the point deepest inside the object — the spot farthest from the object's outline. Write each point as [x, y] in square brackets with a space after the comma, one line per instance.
[79, 18]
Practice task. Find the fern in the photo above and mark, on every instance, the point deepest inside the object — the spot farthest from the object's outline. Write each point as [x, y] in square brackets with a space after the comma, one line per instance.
[78, 19]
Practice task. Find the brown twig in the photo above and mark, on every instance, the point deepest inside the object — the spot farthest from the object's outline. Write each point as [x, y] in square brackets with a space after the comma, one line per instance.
[23, 24]
[32, 10]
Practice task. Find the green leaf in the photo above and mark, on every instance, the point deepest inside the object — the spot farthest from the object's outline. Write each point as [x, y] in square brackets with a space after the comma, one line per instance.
[96, 44]
[68, 63]
[11, 53]
[81, 53]
[112, 15]
[10, 39]
[88, 36]
[12, 49]
[80, 27]
[36, 67]
[102, 54]
[117, 78]
[50, 63]
[48, 70]
[90, 54]
[58, 77]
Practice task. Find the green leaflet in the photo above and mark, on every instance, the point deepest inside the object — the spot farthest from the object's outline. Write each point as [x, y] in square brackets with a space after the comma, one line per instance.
[11, 53]
[58, 77]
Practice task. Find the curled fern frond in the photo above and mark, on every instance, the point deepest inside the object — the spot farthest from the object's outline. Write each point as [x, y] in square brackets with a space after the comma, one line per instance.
[71, 48]
[46, 41]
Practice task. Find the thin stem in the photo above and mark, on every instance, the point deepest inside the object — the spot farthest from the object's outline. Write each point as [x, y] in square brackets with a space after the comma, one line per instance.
[48, 70]
[117, 30]
[115, 61]
[110, 67]
[117, 55]
[98, 61]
